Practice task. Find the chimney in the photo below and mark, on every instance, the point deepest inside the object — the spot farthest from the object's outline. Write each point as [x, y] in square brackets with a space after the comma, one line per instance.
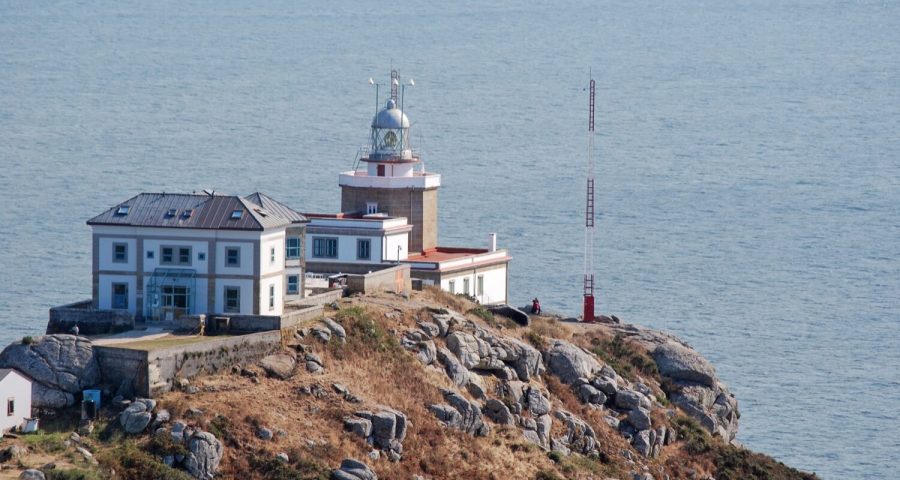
[492, 242]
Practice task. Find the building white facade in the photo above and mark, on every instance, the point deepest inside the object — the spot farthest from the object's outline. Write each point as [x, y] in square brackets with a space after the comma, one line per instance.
[355, 243]
[160, 256]
[15, 395]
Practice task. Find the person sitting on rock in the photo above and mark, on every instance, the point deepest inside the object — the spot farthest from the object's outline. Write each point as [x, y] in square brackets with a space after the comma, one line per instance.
[536, 306]
[75, 330]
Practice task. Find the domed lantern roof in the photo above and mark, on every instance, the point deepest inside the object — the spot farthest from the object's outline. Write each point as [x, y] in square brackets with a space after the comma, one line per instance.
[390, 134]
[390, 117]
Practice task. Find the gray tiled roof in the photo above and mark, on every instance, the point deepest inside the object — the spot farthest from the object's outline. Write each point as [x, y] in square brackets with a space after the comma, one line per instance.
[207, 211]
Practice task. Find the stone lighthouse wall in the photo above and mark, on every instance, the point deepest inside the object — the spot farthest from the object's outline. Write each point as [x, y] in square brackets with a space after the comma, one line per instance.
[418, 205]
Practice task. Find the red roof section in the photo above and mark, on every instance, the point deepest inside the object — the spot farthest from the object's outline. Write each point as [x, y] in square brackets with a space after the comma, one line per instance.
[441, 254]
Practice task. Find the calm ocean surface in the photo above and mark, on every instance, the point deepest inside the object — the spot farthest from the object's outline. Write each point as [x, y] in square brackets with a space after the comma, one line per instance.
[748, 164]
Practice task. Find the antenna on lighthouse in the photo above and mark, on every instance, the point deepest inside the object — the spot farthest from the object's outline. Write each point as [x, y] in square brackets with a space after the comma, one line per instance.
[395, 82]
[589, 219]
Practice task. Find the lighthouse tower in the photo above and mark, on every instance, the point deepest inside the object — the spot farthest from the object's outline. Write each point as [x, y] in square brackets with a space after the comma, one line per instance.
[393, 180]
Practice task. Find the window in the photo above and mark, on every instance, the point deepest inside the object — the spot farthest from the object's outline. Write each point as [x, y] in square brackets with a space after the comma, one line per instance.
[293, 284]
[479, 285]
[176, 296]
[452, 286]
[120, 253]
[175, 255]
[120, 296]
[363, 249]
[201, 256]
[122, 210]
[187, 213]
[10, 407]
[466, 285]
[325, 247]
[171, 213]
[237, 214]
[232, 299]
[151, 254]
[232, 257]
[293, 247]
[371, 208]
[272, 255]
[271, 297]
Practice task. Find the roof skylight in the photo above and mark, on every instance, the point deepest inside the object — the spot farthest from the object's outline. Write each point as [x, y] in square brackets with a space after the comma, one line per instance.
[122, 210]
[236, 215]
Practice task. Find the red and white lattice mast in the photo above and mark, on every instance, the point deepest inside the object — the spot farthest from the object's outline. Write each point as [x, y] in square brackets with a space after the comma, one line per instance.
[589, 220]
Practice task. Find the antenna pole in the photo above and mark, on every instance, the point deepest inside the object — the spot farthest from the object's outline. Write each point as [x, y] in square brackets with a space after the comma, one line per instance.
[588, 315]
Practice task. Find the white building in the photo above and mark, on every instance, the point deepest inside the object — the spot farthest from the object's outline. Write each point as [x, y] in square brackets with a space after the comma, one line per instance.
[15, 394]
[347, 243]
[162, 255]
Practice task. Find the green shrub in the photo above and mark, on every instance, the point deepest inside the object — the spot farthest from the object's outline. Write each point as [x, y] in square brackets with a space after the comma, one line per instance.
[484, 314]
[733, 463]
[536, 340]
[134, 463]
[300, 469]
[27, 340]
[555, 456]
[46, 442]
[73, 474]
[624, 357]
[696, 439]
[547, 475]
[366, 332]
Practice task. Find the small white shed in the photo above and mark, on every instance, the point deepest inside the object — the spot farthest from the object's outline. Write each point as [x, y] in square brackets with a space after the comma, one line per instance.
[15, 399]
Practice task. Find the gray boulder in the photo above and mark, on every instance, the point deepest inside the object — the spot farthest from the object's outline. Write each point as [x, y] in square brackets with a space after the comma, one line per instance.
[682, 363]
[279, 365]
[569, 362]
[525, 359]
[580, 437]
[461, 414]
[457, 372]
[59, 365]
[628, 399]
[498, 412]
[609, 386]
[472, 351]
[417, 342]
[205, 453]
[589, 394]
[643, 442]
[639, 419]
[32, 474]
[136, 417]
[351, 469]
[358, 426]
[538, 404]
[335, 328]
[429, 328]
[715, 409]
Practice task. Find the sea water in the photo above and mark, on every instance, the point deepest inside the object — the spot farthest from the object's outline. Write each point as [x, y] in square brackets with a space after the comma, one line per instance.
[748, 164]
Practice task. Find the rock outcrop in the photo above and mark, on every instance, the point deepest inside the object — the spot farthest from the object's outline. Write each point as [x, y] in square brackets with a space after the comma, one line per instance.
[569, 362]
[460, 413]
[60, 366]
[205, 453]
[279, 365]
[352, 469]
[385, 429]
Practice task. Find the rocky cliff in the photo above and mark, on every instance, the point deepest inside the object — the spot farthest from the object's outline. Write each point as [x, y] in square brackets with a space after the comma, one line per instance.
[436, 387]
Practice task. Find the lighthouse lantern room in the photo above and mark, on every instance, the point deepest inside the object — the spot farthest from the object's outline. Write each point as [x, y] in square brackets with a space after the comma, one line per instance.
[394, 181]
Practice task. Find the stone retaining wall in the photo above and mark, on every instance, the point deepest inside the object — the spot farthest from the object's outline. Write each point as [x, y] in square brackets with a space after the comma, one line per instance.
[89, 320]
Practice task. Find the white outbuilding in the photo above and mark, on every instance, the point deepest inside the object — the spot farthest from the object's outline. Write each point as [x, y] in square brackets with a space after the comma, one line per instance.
[15, 393]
